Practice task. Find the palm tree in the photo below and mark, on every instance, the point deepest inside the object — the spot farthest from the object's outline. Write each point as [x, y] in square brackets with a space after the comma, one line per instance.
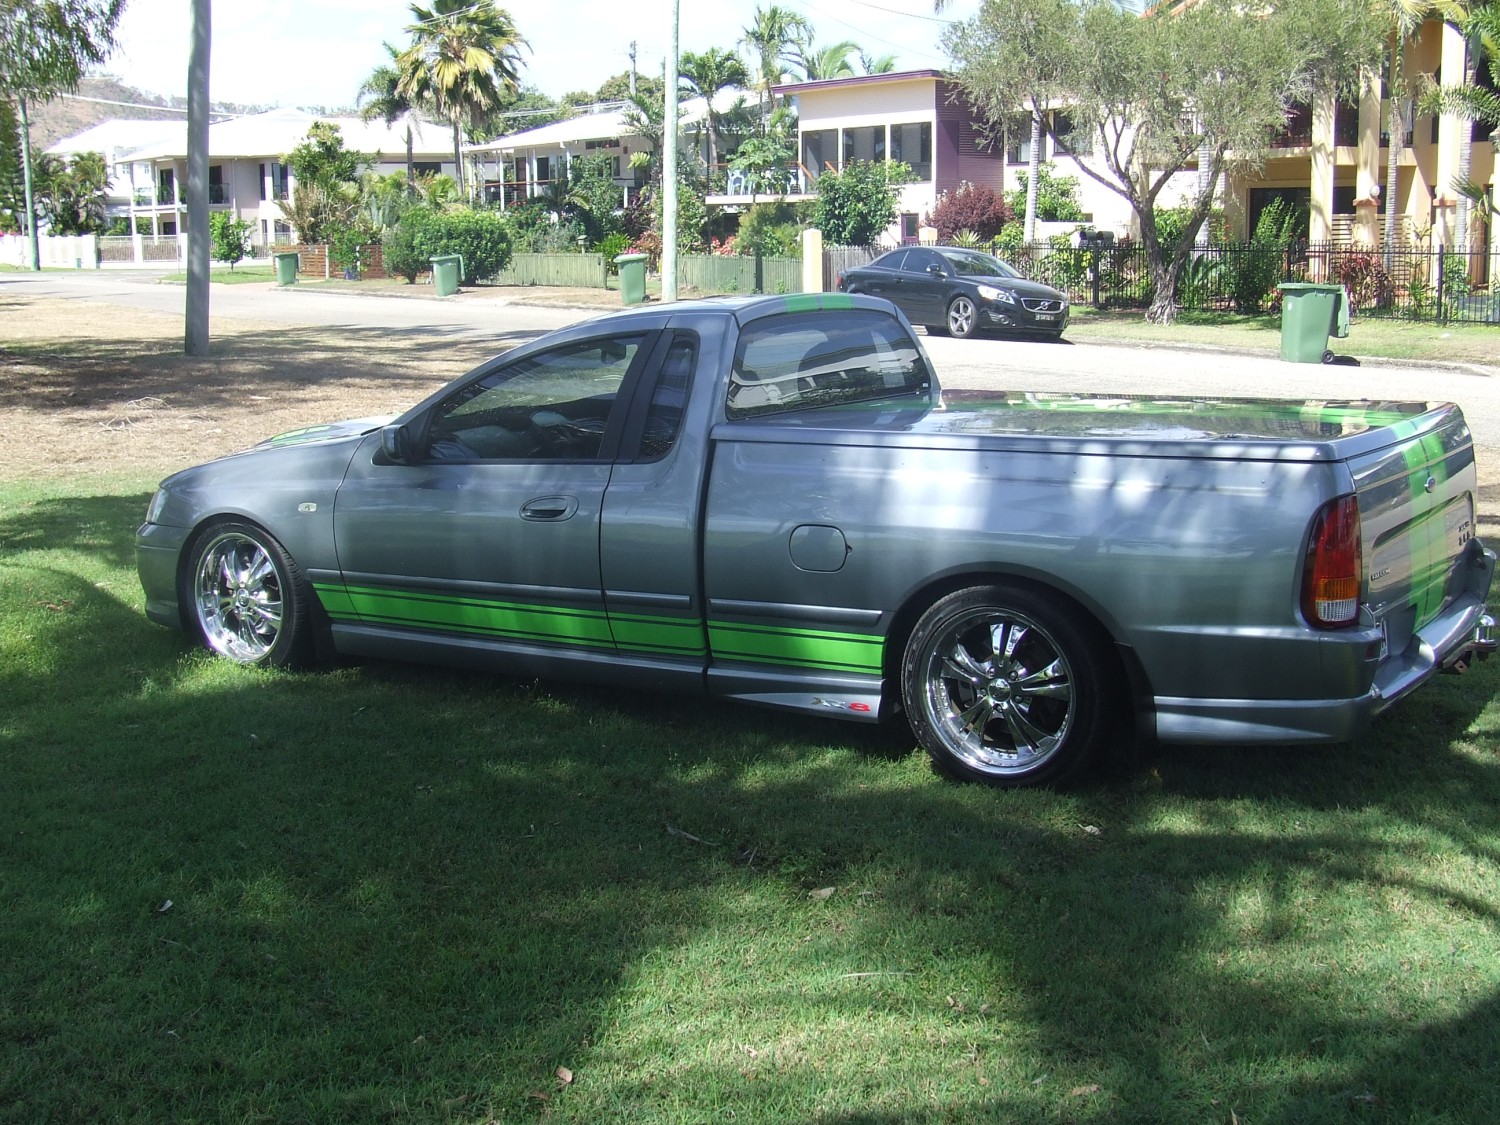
[380, 97]
[884, 64]
[772, 34]
[706, 75]
[1407, 17]
[817, 63]
[463, 59]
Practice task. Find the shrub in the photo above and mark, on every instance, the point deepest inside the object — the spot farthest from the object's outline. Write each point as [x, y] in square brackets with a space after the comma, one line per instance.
[482, 237]
[1254, 270]
[854, 206]
[1364, 275]
[772, 229]
[971, 207]
[406, 245]
[347, 243]
[1056, 197]
[230, 237]
[612, 247]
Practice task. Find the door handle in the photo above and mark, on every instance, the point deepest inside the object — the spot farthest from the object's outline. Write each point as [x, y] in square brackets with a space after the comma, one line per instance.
[550, 509]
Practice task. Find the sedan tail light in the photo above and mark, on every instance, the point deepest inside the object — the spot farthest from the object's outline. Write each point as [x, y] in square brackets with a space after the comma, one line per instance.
[1331, 573]
[838, 281]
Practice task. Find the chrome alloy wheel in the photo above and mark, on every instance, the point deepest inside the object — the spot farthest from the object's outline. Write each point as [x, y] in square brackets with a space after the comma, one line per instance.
[238, 596]
[999, 691]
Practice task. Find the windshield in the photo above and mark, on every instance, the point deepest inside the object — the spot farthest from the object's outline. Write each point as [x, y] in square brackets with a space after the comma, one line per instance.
[975, 264]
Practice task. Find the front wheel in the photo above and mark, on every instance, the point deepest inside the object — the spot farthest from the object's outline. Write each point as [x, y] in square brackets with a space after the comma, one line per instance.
[246, 598]
[1008, 686]
[963, 317]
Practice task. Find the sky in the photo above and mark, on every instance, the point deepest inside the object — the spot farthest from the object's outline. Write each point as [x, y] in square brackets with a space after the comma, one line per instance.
[318, 52]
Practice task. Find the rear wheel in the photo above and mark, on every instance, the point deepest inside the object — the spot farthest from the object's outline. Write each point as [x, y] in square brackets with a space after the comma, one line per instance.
[1008, 686]
[247, 599]
[963, 317]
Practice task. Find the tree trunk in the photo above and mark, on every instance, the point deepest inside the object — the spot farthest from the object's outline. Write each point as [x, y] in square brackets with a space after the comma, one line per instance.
[411, 163]
[36, 242]
[458, 160]
[1395, 122]
[196, 334]
[1033, 167]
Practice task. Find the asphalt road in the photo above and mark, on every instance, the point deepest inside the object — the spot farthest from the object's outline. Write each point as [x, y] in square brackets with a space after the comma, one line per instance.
[1006, 364]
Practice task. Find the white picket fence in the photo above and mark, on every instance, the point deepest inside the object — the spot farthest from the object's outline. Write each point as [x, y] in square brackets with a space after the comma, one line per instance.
[88, 252]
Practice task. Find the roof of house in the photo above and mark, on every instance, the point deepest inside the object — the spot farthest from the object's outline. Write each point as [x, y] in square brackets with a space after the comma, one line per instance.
[117, 135]
[281, 130]
[606, 121]
[858, 80]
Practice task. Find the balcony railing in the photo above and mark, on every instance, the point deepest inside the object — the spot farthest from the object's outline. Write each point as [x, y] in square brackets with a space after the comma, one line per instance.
[739, 184]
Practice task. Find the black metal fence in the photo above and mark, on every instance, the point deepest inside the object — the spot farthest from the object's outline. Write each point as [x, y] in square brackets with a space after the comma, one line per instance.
[1414, 283]
[1409, 282]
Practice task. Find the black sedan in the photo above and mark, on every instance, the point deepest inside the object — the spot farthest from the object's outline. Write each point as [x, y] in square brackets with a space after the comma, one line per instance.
[959, 291]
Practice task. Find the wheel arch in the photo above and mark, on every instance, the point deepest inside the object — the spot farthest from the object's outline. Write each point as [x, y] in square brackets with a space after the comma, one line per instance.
[1132, 676]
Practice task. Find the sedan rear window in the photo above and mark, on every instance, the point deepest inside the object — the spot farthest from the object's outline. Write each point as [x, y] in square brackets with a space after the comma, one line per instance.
[813, 360]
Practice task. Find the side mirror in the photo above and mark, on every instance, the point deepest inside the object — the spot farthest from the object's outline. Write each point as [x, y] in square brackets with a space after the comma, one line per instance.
[395, 443]
[937, 271]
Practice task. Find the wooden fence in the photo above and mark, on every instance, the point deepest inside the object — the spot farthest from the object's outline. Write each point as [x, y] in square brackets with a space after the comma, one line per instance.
[714, 273]
[582, 271]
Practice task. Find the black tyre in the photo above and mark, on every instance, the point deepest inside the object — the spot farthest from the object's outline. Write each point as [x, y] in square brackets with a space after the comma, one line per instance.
[1008, 686]
[963, 317]
[246, 599]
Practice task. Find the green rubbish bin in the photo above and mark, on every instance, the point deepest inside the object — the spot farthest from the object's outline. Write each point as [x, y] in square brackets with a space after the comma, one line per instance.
[1310, 313]
[286, 268]
[447, 269]
[632, 278]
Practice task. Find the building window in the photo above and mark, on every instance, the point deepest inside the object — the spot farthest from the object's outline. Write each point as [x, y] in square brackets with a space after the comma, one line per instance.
[544, 169]
[867, 144]
[909, 223]
[262, 187]
[216, 183]
[820, 151]
[166, 186]
[913, 143]
[1071, 138]
[278, 180]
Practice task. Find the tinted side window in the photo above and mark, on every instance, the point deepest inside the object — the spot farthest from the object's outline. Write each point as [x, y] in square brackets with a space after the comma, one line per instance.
[664, 417]
[892, 261]
[917, 261]
[551, 406]
[807, 361]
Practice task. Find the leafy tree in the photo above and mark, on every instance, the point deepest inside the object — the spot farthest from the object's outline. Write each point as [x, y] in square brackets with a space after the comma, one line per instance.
[768, 153]
[617, 89]
[593, 198]
[1202, 81]
[464, 60]
[231, 237]
[854, 206]
[406, 247]
[1055, 199]
[772, 229]
[45, 46]
[883, 64]
[326, 196]
[482, 237]
[706, 75]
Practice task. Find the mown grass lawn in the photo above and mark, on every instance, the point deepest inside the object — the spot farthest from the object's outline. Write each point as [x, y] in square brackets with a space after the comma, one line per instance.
[389, 893]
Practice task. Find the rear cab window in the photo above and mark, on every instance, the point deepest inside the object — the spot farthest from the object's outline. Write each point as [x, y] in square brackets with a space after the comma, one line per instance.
[798, 362]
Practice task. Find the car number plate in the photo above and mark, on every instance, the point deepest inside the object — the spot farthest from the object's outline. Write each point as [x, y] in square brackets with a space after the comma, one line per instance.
[1046, 316]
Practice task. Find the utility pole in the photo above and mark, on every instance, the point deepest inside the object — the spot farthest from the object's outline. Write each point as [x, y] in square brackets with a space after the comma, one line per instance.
[669, 171]
[632, 68]
[196, 335]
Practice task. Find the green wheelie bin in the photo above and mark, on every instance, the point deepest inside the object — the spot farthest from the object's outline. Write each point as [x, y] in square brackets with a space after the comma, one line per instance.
[632, 278]
[447, 269]
[1310, 313]
[286, 268]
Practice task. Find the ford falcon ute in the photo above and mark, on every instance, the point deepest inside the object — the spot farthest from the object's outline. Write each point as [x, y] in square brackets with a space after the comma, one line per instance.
[772, 500]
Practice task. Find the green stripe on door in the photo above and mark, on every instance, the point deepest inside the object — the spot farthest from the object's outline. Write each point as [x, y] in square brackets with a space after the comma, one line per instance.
[803, 648]
[634, 632]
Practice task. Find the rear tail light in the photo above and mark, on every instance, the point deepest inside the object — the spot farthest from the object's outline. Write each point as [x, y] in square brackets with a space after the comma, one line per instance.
[838, 281]
[1330, 578]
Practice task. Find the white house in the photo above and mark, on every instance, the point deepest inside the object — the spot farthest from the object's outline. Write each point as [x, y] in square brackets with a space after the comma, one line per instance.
[247, 173]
